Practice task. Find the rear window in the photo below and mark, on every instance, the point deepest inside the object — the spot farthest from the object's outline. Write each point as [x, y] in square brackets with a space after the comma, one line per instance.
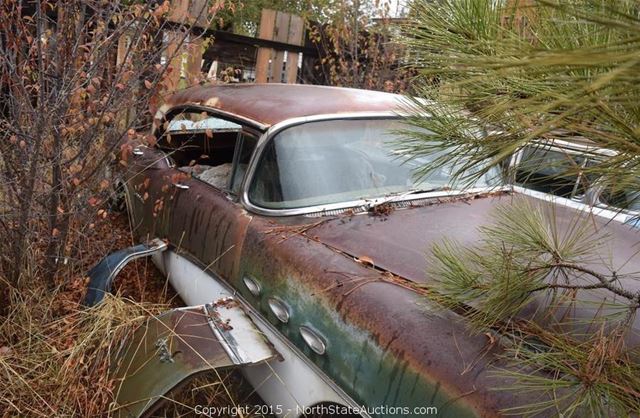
[551, 171]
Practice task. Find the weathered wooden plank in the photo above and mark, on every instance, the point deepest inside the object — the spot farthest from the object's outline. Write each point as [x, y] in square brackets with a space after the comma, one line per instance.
[190, 12]
[172, 78]
[193, 68]
[281, 35]
[179, 11]
[199, 13]
[296, 36]
[267, 24]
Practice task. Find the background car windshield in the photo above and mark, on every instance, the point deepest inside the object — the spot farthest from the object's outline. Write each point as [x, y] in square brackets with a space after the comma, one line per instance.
[326, 162]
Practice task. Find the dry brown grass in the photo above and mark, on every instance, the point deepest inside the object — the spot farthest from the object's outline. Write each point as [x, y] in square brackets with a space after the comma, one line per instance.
[55, 354]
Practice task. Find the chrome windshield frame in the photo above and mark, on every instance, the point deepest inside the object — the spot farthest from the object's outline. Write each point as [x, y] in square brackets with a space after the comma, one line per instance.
[315, 209]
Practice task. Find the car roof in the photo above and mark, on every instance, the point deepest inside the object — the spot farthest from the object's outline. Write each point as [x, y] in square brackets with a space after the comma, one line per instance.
[268, 104]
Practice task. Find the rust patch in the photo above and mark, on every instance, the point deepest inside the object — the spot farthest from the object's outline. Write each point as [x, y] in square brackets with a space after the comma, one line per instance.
[268, 104]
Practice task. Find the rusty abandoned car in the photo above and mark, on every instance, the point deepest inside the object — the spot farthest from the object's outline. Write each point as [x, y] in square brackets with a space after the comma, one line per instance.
[284, 218]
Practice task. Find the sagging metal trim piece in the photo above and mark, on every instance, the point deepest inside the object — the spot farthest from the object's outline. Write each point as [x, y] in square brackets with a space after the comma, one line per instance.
[102, 274]
[221, 331]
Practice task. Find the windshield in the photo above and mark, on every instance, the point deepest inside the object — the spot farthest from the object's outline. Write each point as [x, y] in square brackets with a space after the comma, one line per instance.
[336, 161]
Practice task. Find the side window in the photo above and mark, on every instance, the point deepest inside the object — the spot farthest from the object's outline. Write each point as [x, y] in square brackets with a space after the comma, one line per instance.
[621, 194]
[246, 145]
[201, 145]
[551, 171]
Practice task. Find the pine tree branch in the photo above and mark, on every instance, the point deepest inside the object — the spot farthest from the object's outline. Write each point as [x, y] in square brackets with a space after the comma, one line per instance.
[604, 281]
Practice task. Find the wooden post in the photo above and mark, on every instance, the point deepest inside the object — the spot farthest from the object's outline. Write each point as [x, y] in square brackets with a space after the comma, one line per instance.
[267, 23]
[186, 59]
[284, 28]
[296, 37]
[281, 34]
[174, 55]
[193, 67]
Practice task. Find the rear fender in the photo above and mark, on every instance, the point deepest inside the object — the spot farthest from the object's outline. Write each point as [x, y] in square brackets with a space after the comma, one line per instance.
[176, 346]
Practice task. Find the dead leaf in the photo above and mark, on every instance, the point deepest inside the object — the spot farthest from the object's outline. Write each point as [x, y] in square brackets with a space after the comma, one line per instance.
[148, 84]
[367, 261]
[490, 336]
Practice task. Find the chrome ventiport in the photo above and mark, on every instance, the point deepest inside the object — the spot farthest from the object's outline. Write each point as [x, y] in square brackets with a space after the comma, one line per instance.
[279, 309]
[253, 285]
[313, 340]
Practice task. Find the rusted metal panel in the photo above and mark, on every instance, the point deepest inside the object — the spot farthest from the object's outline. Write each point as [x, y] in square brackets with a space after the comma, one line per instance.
[386, 345]
[386, 342]
[179, 344]
[268, 104]
[148, 178]
[399, 242]
[374, 318]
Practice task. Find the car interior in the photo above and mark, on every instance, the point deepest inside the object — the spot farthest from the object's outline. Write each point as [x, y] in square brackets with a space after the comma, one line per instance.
[202, 146]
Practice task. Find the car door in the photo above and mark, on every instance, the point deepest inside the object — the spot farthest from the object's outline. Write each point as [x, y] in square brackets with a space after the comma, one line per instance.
[207, 222]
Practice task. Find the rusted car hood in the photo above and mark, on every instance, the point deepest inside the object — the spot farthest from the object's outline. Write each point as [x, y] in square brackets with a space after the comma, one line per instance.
[401, 242]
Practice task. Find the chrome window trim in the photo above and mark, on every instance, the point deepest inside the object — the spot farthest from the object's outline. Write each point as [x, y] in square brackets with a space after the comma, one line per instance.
[315, 209]
[559, 145]
[574, 147]
[606, 212]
